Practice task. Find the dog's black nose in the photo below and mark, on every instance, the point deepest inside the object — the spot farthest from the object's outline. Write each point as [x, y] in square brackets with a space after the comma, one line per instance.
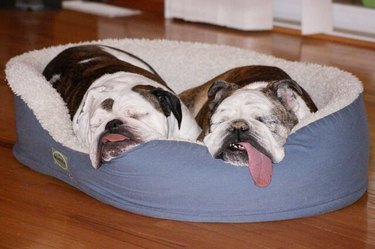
[239, 126]
[113, 124]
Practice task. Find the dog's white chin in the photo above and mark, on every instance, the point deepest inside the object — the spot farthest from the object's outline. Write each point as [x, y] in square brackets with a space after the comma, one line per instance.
[278, 155]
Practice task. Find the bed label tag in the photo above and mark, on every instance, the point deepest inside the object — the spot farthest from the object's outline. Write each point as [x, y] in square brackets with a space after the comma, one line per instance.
[59, 159]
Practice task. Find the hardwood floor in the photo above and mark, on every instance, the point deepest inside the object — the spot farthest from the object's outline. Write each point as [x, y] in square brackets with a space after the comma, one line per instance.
[37, 211]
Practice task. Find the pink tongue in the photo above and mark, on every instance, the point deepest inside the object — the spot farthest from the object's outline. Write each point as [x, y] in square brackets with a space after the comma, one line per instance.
[260, 166]
[113, 138]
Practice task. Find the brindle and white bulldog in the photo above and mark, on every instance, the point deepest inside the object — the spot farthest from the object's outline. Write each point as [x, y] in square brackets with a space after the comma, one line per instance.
[116, 101]
[246, 115]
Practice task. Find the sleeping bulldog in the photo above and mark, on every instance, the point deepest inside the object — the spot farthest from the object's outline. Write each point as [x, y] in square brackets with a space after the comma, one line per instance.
[116, 101]
[246, 115]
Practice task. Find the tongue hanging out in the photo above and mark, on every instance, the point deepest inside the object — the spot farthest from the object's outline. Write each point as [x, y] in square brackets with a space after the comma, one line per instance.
[113, 137]
[260, 165]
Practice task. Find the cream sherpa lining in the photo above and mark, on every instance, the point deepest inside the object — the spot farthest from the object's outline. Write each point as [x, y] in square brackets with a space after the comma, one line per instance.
[182, 65]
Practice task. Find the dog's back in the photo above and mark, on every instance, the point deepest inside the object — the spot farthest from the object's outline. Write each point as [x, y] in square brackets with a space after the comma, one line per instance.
[74, 70]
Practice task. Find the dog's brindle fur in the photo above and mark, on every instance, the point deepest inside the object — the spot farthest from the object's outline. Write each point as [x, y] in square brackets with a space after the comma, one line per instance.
[73, 79]
[197, 99]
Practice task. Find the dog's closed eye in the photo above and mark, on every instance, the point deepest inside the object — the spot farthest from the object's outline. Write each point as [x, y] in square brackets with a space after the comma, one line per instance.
[269, 121]
[138, 116]
[260, 119]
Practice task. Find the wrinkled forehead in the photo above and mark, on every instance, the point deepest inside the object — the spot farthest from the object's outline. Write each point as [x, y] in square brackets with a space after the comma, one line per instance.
[252, 98]
[109, 98]
[124, 81]
[120, 88]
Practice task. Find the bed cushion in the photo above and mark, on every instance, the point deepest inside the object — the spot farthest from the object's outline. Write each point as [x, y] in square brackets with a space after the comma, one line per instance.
[325, 167]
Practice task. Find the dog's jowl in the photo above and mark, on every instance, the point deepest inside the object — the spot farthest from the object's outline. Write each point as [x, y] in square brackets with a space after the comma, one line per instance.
[116, 101]
[246, 115]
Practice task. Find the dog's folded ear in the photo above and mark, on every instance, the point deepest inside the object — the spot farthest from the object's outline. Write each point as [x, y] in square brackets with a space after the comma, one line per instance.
[292, 96]
[161, 99]
[169, 103]
[218, 91]
[286, 91]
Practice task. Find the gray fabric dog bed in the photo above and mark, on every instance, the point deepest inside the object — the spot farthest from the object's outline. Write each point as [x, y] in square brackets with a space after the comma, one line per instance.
[325, 167]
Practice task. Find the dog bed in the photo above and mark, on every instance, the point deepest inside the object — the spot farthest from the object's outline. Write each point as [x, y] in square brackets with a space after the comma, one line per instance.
[325, 167]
